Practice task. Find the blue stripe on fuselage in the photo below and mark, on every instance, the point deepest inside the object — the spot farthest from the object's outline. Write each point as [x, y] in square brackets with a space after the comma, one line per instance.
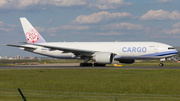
[148, 56]
[162, 53]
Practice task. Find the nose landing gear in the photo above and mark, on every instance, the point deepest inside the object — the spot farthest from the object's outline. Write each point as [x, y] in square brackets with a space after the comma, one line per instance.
[161, 64]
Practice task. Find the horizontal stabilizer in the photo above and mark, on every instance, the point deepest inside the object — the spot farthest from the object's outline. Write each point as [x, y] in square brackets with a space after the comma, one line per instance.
[21, 46]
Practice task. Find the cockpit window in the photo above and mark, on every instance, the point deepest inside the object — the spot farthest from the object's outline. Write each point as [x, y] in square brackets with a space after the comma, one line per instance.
[171, 48]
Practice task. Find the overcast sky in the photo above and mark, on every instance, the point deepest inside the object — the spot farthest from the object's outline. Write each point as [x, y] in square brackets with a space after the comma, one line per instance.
[90, 21]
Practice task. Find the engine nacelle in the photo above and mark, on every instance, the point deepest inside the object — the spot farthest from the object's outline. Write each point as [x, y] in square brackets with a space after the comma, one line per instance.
[103, 57]
[127, 61]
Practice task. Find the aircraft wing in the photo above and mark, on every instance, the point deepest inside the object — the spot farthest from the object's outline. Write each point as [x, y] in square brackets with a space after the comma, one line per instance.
[76, 52]
[21, 46]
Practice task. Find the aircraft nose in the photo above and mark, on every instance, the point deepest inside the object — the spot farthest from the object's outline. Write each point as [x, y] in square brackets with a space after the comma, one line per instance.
[176, 52]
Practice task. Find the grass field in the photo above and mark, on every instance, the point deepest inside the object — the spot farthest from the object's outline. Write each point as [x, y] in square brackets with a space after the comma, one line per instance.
[90, 84]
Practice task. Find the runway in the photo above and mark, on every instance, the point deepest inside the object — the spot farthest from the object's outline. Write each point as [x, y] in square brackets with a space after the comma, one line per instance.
[76, 66]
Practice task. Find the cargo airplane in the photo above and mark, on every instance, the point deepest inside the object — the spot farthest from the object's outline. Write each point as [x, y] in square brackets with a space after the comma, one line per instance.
[101, 52]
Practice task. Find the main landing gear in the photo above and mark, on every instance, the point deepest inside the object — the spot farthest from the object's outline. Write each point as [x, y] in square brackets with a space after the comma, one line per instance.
[85, 64]
[161, 64]
[99, 65]
[90, 65]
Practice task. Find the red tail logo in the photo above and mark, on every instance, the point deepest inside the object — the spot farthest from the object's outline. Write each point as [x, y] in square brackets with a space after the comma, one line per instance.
[32, 36]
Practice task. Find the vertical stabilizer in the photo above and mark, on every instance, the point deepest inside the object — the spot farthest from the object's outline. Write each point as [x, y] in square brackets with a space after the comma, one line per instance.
[32, 36]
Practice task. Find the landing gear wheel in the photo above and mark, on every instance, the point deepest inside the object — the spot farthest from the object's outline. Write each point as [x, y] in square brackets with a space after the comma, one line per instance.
[161, 64]
[99, 65]
[85, 64]
[81, 64]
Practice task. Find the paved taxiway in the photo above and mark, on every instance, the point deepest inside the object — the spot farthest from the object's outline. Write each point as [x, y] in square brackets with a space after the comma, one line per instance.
[76, 66]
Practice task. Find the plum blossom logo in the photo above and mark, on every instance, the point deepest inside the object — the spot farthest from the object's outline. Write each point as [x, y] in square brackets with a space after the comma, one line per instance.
[32, 36]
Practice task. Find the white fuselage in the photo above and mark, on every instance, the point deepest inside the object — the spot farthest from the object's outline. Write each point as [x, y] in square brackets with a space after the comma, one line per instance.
[122, 50]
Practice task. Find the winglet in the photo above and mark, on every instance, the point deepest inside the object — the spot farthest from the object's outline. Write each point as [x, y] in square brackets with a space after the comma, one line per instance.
[32, 36]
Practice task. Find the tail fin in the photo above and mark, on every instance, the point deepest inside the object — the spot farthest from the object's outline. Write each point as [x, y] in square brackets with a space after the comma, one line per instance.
[32, 36]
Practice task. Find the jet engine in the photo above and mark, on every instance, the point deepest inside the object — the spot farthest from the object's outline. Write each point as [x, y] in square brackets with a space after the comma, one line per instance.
[103, 57]
[127, 61]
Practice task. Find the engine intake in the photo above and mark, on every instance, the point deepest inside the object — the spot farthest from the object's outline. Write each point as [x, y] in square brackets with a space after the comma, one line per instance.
[103, 57]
